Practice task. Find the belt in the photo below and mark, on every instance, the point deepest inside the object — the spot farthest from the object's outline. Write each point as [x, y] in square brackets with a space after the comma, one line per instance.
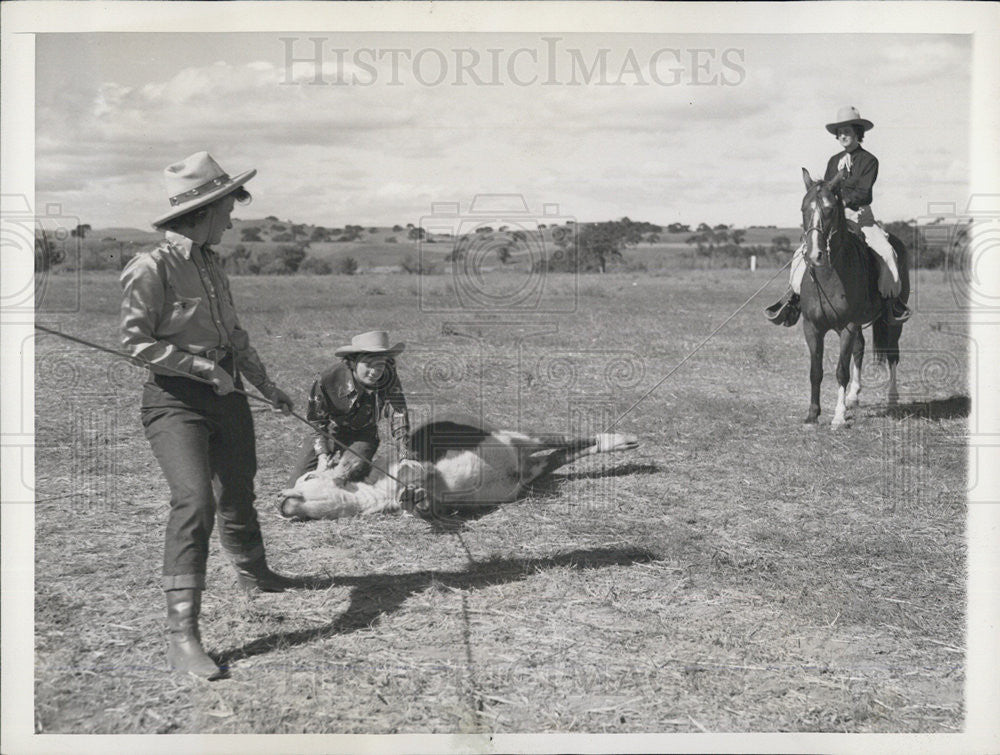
[222, 356]
[217, 354]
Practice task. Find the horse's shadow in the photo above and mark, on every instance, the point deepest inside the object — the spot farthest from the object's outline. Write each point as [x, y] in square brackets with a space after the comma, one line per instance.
[953, 407]
[376, 595]
[452, 516]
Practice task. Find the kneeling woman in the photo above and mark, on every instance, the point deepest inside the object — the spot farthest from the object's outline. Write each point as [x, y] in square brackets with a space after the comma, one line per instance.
[347, 401]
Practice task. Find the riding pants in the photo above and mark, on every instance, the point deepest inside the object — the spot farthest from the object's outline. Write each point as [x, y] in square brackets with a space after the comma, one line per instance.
[205, 446]
[888, 279]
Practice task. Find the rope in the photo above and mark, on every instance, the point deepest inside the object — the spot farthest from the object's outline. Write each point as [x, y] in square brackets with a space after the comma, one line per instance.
[139, 361]
[697, 348]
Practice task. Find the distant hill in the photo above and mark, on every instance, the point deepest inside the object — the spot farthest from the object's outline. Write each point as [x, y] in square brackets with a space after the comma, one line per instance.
[128, 235]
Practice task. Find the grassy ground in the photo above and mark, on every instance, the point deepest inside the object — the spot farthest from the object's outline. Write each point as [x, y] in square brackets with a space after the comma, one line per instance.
[737, 573]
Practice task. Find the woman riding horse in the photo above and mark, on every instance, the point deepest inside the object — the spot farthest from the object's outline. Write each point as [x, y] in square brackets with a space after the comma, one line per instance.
[841, 293]
[861, 168]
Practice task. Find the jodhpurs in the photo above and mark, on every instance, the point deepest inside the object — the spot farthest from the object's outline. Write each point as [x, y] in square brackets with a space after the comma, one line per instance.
[875, 237]
[205, 446]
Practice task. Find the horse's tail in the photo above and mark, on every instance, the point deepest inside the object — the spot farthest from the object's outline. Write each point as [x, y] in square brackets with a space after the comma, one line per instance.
[880, 339]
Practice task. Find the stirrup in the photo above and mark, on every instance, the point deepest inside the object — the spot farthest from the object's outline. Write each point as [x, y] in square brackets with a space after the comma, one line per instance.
[784, 312]
[896, 313]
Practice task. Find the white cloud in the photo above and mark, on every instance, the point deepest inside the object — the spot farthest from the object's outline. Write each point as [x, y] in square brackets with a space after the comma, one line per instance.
[923, 60]
[381, 152]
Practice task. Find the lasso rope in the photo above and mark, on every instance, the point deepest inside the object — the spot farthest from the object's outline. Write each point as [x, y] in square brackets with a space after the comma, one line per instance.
[697, 348]
[139, 361]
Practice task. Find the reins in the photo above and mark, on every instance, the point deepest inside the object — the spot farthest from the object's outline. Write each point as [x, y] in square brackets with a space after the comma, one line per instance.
[810, 265]
[139, 361]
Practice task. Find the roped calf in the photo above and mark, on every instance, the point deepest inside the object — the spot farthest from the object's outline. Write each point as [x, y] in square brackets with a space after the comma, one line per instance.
[457, 463]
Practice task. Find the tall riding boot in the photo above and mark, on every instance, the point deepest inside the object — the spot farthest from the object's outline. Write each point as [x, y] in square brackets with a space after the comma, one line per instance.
[785, 311]
[896, 312]
[256, 576]
[185, 652]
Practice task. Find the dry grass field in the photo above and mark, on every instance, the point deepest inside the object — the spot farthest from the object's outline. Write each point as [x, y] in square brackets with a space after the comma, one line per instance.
[739, 572]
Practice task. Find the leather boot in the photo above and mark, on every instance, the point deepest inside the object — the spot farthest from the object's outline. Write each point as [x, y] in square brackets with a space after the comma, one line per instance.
[896, 313]
[256, 576]
[185, 652]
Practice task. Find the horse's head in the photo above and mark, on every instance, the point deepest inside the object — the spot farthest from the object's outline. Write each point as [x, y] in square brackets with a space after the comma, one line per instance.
[822, 215]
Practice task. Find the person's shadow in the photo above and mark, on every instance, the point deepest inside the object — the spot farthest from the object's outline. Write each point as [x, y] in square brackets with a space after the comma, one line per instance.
[375, 595]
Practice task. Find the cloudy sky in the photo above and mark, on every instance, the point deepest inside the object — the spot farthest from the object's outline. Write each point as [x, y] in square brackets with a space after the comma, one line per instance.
[373, 128]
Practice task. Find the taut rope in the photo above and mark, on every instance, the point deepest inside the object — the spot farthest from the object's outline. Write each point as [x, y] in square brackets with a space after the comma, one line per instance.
[180, 373]
[697, 348]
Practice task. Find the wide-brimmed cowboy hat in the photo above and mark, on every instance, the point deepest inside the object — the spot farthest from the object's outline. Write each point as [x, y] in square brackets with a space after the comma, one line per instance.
[849, 116]
[194, 182]
[372, 342]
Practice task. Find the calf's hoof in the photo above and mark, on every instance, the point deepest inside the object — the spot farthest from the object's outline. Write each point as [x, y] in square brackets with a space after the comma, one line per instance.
[287, 503]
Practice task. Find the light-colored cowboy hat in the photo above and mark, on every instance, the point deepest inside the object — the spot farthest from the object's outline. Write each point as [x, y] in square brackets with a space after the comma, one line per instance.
[195, 181]
[849, 116]
[372, 342]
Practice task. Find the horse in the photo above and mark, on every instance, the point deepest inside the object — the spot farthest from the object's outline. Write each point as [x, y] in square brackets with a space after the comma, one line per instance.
[457, 462]
[840, 292]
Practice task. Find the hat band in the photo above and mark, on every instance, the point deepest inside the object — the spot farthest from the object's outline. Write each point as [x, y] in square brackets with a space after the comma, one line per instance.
[197, 191]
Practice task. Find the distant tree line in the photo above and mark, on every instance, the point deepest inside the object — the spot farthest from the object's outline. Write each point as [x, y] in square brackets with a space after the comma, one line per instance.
[571, 247]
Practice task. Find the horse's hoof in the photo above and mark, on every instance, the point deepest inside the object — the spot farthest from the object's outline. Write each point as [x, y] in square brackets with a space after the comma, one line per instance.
[842, 425]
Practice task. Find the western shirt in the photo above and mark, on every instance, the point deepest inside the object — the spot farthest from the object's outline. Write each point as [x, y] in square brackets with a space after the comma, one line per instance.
[337, 403]
[177, 305]
[856, 189]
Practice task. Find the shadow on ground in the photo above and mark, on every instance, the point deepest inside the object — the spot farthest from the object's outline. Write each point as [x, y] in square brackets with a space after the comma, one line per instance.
[375, 595]
[953, 407]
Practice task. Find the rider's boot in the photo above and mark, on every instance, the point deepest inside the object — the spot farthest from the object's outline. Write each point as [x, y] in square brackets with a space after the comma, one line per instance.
[785, 311]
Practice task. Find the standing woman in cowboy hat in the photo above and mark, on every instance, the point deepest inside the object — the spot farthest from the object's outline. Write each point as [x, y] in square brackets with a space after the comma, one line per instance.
[346, 402]
[177, 311]
[861, 168]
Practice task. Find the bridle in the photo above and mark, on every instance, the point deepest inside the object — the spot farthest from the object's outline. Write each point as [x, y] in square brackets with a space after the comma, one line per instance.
[826, 235]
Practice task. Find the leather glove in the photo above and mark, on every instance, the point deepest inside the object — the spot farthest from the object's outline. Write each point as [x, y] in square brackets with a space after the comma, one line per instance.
[280, 400]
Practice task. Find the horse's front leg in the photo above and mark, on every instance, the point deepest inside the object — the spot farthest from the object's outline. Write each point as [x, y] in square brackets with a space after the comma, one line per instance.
[844, 369]
[814, 339]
